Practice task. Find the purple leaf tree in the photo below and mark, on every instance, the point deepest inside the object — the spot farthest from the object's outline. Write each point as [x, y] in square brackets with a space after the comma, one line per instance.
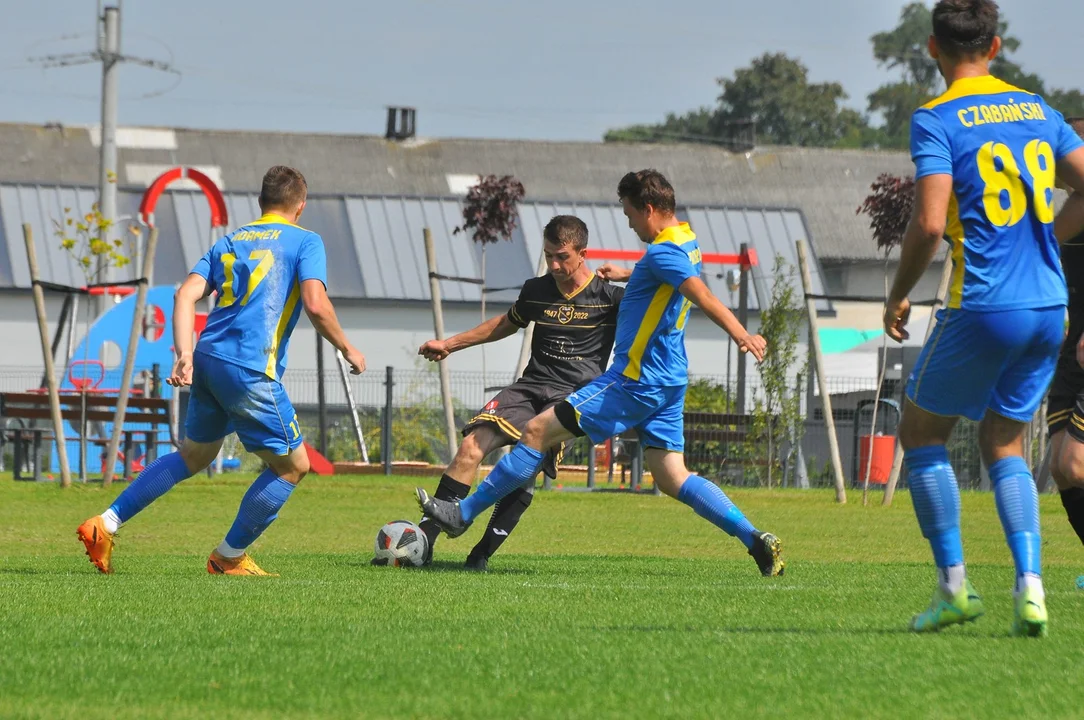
[889, 206]
[491, 210]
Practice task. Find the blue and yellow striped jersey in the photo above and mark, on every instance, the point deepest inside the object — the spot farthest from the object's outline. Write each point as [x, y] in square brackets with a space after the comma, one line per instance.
[650, 342]
[999, 143]
[257, 271]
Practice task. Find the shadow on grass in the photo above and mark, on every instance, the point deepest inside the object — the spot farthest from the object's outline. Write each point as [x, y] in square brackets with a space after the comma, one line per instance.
[448, 566]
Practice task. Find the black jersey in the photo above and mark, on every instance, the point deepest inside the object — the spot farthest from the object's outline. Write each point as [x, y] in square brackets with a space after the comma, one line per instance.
[1072, 263]
[573, 334]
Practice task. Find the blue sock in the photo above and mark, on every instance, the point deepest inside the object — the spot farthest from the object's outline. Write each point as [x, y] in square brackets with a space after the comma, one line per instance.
[259, 508]
[510, 472]
[1018, 506]
[936, 497]
[151, 484]
[710, 502]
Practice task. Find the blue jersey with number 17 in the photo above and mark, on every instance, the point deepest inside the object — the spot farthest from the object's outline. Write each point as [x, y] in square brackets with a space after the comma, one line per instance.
[257, 271]
[999, 143]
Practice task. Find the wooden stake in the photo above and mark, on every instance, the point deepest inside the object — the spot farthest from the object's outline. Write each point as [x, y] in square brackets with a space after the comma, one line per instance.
[897, 461]
[818, 358]
[47, 355]
[438, 328]
[129, 359]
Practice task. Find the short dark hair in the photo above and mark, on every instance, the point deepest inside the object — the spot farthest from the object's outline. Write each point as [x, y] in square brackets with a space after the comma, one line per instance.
[564, 230]
[1077, 123]
[283, 187]
[647, 187]
[965, 27]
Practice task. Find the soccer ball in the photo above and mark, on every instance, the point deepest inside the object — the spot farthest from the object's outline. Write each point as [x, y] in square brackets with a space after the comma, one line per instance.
[400, 543]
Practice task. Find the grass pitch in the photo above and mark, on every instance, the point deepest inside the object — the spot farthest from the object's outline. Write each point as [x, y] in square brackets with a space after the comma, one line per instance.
[599, 605]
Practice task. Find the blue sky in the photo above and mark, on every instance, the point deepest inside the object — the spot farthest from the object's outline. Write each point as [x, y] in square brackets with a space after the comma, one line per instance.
[556, 70]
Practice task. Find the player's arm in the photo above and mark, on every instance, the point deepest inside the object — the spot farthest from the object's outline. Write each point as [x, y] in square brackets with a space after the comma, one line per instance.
[1070, 220]
[322, 315]
[613, 273]
[697, 292]
[192, 290]
[924, 232]
[492, 330]
[932, 154]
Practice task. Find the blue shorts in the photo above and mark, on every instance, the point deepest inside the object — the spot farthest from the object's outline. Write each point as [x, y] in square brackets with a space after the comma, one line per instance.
[612, 403]
[229, 398]
[977, 361]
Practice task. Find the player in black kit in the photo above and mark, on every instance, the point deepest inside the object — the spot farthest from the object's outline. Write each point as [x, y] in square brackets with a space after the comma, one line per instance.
[1065, 408]
[575, 316]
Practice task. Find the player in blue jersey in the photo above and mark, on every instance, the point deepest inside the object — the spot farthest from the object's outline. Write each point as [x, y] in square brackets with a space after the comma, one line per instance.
[644, 389]
[986, 155]
[263, 273]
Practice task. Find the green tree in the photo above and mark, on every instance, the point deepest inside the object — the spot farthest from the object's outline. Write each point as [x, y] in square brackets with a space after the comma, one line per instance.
[775, 94]
[904, 48]
[778, 410]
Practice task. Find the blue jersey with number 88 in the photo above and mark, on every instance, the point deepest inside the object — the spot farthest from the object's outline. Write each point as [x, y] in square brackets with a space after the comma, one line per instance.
[1000, 144]
[257, 271]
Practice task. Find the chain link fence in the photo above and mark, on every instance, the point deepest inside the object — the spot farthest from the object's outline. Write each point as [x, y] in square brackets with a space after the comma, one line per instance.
[722, 442]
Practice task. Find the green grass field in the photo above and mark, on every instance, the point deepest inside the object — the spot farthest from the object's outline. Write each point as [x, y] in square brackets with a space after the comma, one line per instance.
[600, 605]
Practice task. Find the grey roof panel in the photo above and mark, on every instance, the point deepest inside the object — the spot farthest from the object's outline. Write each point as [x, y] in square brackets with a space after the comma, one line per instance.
[365, 245]
[374, 243]
[327, 217]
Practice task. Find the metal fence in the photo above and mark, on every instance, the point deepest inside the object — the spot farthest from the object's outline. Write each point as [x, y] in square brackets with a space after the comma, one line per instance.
[722, 443]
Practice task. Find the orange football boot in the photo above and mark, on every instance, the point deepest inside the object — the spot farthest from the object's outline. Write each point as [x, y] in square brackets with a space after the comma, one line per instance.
[99, 543]
[244, 565]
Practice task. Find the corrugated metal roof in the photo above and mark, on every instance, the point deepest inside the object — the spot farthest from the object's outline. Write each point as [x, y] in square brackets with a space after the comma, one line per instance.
[374, 243]
[825, 184]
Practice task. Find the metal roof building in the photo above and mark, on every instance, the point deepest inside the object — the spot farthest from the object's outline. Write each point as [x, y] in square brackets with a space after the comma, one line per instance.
[374, 243]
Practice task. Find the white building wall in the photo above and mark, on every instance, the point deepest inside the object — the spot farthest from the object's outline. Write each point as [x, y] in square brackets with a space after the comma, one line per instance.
[387, 334]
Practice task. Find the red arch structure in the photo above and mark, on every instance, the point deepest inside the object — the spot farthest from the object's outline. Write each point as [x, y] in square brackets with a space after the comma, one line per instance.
[219, 214]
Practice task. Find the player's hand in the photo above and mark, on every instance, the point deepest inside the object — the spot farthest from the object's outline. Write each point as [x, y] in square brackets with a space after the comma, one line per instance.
[1080, 352]
[612, 273]
[434, 350]
[897, 313]
[182, 372]
[754, 344]
[356, 360]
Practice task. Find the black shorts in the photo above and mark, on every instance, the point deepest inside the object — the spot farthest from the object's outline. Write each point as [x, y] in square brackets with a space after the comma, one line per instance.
[1065, 405]
[512, 408]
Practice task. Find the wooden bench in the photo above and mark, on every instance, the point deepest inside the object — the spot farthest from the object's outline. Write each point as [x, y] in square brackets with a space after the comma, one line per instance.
[34, 406]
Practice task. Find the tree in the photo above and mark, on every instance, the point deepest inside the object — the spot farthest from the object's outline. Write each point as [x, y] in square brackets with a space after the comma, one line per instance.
[491, 209]
[903, 48]
[778, 411]
[889, 206]
[773, 94]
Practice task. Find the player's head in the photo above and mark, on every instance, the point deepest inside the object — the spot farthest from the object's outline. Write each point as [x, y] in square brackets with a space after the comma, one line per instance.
[964, 31]
[1077, 123]
[648, 201]
[284, 192]
[564, 241]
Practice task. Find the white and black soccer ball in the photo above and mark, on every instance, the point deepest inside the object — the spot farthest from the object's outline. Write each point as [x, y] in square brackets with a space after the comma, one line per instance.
[400, 543]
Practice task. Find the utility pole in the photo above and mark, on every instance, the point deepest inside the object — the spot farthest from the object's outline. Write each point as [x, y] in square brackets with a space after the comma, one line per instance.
[109, 55]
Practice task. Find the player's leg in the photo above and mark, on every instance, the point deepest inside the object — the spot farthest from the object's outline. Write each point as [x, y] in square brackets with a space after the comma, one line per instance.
[596, 410]
[499, 423]
[267, 426]
[954, 376]
[1065, 419]
[205, 427]
[710, 502]
[509, 509]
[1016, 399]
[506, 516]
